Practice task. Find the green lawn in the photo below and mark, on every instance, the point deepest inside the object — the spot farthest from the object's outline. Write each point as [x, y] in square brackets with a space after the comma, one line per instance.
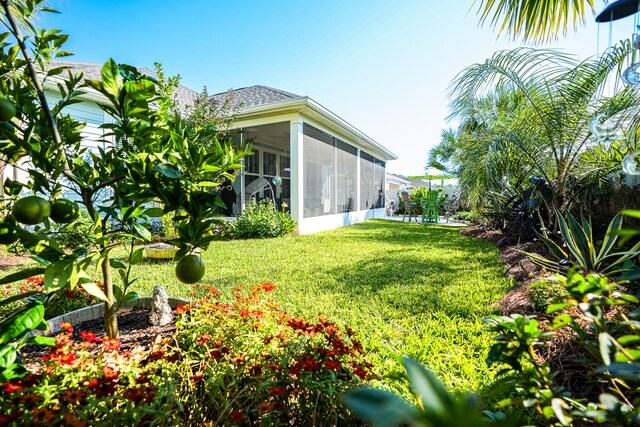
[405, 289]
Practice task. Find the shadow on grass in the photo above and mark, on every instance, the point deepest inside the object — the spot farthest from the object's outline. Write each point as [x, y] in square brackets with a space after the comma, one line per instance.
[432, 273]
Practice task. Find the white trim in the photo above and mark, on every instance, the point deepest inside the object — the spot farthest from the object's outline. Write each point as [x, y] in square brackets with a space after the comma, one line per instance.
[329, 222]
[308, 108]
[296, 163]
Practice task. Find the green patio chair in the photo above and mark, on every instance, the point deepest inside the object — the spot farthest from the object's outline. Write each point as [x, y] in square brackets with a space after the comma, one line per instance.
[431, 206]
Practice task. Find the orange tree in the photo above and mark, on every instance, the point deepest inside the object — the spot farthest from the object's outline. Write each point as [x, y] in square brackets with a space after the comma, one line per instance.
[151, 156]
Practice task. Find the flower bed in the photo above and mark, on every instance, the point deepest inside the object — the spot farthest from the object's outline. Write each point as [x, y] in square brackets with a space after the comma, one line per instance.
[244, 361]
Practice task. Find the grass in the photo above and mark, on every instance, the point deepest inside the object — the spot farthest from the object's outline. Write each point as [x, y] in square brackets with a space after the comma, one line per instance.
[405, 289]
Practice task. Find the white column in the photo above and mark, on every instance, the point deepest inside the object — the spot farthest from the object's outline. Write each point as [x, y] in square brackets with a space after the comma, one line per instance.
[358, 183]
[242, 178]
[297, 171]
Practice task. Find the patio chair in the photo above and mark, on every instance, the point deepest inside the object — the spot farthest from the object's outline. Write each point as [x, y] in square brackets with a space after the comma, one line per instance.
[431, 206]
[258, 185]
[409, 208]
[451, 207]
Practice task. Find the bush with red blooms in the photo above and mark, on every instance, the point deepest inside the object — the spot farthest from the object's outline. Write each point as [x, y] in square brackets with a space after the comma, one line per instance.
[240, 362]
[257, 364]
[93, 381]
[64, 301]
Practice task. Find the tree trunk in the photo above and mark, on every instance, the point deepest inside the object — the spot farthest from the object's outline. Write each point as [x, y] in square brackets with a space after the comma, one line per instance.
[110, 319]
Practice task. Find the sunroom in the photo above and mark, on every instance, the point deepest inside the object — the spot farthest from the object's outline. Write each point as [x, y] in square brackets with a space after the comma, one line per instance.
[306, 159]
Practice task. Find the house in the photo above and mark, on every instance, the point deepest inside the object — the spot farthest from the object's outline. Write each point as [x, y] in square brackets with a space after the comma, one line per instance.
[328, 173]
[396, 184]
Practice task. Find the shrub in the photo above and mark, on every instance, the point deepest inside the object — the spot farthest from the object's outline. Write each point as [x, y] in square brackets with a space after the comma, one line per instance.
[260, 220]
[278, 368]
[55, 304]
[93, 382]
[244, 362]
[598, 325]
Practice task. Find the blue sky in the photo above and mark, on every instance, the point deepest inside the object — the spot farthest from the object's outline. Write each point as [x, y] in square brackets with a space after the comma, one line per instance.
[384, 66]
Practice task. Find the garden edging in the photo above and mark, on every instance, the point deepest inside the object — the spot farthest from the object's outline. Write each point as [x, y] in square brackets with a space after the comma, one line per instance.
[96, 311]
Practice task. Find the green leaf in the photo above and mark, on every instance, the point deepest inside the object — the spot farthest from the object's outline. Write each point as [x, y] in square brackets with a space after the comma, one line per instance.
[434, 396]
[130, 296]
[21, 322]
[18, 297]
[144, 233]
[561, 320]
[117, 263]
[168, 170]
[137, 256]
[625, 371]
[552, 308]
[111, 78]
[8, 356]
[42, 340]
[117, 293]
[93, 289]
[607, 347]
[56, 276]
[154, 212]
[632, 213]
[381, 407]
[40, 245]
[21, 275]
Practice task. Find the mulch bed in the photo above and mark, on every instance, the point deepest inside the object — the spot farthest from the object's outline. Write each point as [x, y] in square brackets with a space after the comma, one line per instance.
[135, 331]
[518, 267]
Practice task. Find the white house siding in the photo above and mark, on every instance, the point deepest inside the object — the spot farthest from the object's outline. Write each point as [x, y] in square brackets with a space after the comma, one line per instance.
[86, 111]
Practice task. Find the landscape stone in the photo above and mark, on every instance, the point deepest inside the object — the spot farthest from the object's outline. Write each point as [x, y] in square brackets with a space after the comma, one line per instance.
[161, 313]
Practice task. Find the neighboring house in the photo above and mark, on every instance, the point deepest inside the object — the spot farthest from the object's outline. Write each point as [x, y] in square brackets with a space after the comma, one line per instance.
[396, 184]
[331, 174]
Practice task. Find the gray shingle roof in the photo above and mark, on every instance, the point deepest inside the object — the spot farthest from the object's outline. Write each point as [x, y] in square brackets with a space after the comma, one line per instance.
[254, 95]
[183, 95]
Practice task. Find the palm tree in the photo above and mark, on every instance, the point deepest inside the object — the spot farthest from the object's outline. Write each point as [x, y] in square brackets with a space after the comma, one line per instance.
[527, 112]
[535, 20]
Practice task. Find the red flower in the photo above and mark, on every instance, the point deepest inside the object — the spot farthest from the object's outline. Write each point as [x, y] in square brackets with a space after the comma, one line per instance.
[203, 338]
[10, 388]
[359, 371]
[237, 417]
[276, 391]
[89, 336]
[243, 312]
[268, 287]
[93, 383]
[212, 290]
[181, 309]
[70, 294]
[110, 344]
[333, 365]
[109, 372]
[65, 358]
[66, 326]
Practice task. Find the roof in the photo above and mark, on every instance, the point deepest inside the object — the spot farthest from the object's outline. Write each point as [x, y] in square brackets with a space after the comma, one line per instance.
[254, 95]
[183, 95]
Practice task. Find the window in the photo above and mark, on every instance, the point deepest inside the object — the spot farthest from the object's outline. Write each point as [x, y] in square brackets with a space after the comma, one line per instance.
[319, 172]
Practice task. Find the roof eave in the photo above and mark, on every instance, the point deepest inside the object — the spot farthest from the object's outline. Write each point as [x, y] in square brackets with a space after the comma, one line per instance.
[306, 105]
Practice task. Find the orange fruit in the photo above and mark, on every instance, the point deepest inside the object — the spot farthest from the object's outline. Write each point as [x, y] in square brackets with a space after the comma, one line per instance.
[190, 269]
[31, 210]
[64, 211]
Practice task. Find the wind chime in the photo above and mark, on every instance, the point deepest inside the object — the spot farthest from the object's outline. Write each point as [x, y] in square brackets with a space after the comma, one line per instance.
[630, 76]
